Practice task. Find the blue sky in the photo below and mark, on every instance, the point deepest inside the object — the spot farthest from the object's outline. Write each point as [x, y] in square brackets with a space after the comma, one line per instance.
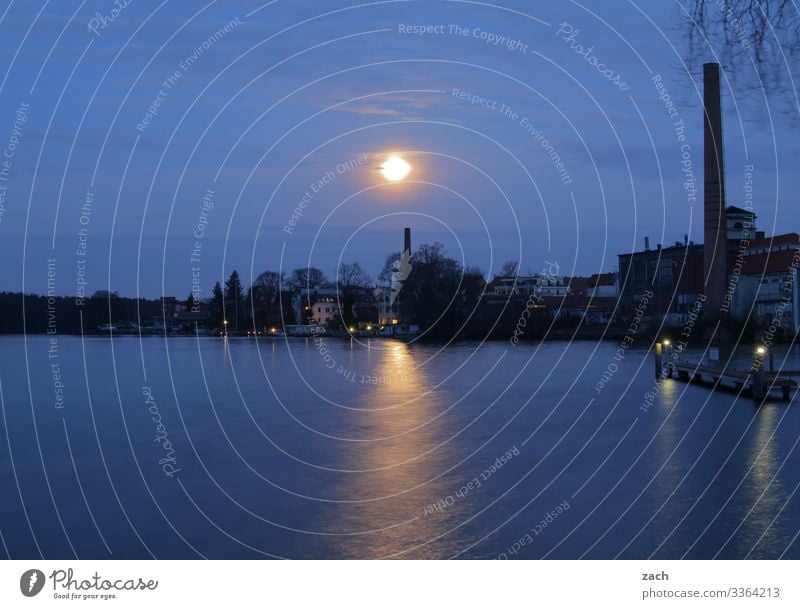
[295, 91]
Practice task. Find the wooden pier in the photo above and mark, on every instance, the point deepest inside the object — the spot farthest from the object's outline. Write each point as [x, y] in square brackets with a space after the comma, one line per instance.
[758, 383]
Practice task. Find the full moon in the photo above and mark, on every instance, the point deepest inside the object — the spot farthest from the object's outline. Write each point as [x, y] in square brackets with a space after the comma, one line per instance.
[395, 168]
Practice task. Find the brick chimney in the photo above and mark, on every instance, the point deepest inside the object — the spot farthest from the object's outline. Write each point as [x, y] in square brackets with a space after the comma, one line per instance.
[714, 224]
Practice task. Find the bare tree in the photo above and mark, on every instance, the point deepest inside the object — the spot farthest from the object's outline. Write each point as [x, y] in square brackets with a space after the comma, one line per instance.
[509, 269]
[757, 42]
[352, 276]
[352, 282]
[308, 277]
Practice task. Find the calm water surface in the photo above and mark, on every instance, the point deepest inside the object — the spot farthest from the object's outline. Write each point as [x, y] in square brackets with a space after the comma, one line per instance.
[186, 448]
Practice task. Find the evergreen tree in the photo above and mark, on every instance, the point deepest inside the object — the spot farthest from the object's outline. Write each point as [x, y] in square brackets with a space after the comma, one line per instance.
[234, 298]
[217, 305]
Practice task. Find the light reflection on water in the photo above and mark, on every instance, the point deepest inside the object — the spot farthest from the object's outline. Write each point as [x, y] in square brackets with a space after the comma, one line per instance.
[346, 460]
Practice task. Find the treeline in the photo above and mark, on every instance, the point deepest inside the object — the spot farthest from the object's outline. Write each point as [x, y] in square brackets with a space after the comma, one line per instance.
[437, 292]
[30, 313]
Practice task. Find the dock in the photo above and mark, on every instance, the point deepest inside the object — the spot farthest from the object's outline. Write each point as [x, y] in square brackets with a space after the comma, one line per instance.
[758, 384]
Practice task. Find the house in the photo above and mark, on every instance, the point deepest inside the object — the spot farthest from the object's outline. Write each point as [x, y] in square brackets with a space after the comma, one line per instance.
[304, 298]
[324, 310]
[590, 310]
[541, 285]
[767, 287]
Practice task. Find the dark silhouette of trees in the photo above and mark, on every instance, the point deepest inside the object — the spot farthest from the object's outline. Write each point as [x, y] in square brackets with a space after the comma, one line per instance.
[436, 292]
[266, 301]
[353, 283]
[309, 277]
[68, 318]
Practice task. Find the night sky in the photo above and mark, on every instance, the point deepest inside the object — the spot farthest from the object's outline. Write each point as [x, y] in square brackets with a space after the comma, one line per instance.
[127, 129]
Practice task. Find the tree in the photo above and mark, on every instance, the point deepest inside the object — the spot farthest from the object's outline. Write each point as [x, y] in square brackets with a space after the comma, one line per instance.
[385, 276]
[432, 289]
[509, 269]
[217, 305]
[756, 42]
[309, 277]
[107, 305]
[352, 282]
[234, 294]
[105, 294]
[352, 276]
[265, 299]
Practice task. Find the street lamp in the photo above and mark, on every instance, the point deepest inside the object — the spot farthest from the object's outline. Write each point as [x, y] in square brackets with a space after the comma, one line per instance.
[758, 377]
[762, 350]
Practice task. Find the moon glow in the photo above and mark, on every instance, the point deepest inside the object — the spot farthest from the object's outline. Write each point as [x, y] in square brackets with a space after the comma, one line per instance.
[395, 168]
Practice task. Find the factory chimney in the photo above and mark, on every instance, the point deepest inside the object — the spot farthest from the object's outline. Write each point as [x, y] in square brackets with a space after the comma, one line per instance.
[714, 230]
[407, 240]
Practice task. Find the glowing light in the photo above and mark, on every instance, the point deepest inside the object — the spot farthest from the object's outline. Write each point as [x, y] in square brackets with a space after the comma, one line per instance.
[666, 342]
[395, 168]
[761, 350]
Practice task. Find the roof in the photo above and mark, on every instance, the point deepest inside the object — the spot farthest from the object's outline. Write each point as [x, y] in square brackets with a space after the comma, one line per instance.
[602, 279]
[770, 262]
[775, 240]
[693, 248]
[580, 303]
[577, 284]
[732, 209]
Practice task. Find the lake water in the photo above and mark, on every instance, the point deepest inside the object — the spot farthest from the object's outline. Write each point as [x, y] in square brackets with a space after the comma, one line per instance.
[188, 448]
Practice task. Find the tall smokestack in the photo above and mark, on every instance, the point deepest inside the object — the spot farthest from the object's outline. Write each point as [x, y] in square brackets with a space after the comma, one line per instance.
[714, 233]
[407, 240]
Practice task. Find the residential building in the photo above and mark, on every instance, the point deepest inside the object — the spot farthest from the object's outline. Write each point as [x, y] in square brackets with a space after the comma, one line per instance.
[324, 310]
